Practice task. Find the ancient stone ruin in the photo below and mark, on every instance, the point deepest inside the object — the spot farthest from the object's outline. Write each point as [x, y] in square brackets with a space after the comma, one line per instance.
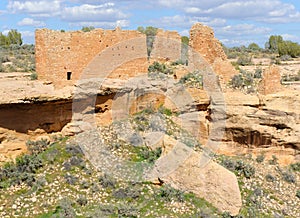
[61, 57]
[270, 83]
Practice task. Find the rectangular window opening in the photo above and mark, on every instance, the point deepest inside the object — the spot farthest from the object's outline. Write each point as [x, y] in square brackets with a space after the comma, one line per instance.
[69, 75]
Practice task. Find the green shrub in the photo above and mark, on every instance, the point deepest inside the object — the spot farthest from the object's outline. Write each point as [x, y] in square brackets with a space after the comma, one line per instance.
[107, 181]
[128, 192]
[168, 193]
[270, 178]
[273, 161]
[237, 81]
[37, 147]
[165, 110]
[295, 167]
[298, 193]
[260, 158]
[82, 200]
[290, 78]
[239, 167]
[23, 170]
[244, 60]
[289, 177]
[87, 28]
[194, 79]
[149, 155]
[4, 59]
[33, 76]
[258, 73]
[285, 57]
[157, 67]
[65, 209]
[178, 62]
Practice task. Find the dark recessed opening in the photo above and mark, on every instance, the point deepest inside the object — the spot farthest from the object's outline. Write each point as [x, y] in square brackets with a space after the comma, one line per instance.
[69, 75]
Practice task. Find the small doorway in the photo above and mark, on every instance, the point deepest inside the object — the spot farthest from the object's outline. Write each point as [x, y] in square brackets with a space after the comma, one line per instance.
[69, 75]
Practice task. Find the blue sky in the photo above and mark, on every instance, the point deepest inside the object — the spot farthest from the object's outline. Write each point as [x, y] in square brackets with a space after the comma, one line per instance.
[235, 22]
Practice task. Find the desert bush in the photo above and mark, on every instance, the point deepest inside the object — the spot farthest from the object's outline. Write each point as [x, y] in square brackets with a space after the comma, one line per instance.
[37, 147]
[273, 161]
[194, 79]
[23, 170]
[149, 155]
[237, 81]
[87, 28]
[289, 48]
[82, 200]
[128, 192]
[165, 111]
[157, 67]
[260, 158]
[298, 193]
[73, 149]
[290, 78]
[84, 184]
[178, 62]
[65, 209]
[239, 167]
[244, 60]
[168, 193]
[4, 59]
[70, 179]
[245, 169]
[253, 47]
[285, 57]
[295, 167]
[270, 178]
[288, 177]
[106, 181]
[244, 81]
[33, 76]
[258, 73]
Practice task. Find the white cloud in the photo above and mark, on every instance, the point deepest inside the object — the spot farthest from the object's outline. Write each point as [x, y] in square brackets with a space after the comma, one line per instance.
[111, 25]
[290, 37]
[42, 8]
[103, 13]
[260, 10]
[31, 22]
[76, 12]
[243, 30]
[180, 21]
[236, 42]
[27, 33]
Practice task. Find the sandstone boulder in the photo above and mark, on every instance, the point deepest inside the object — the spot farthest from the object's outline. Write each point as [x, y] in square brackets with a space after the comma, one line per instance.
[184, 169]
[212, 182]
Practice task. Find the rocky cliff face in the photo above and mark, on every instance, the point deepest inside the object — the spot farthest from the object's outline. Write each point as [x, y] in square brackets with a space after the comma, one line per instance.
[258, 124]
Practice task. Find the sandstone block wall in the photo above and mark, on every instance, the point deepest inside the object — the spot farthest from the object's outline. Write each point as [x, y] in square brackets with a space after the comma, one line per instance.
[270, 82]
[167, 45]
[62, 57]
[58, 53]
[203, 41]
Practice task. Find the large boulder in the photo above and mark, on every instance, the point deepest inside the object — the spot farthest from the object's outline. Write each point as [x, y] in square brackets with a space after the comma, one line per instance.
[185, 169]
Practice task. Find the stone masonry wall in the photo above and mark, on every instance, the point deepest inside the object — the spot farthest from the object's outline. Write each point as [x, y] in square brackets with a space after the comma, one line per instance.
[167, 45]
[270, 82]
[202, 40]
[60, 52]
